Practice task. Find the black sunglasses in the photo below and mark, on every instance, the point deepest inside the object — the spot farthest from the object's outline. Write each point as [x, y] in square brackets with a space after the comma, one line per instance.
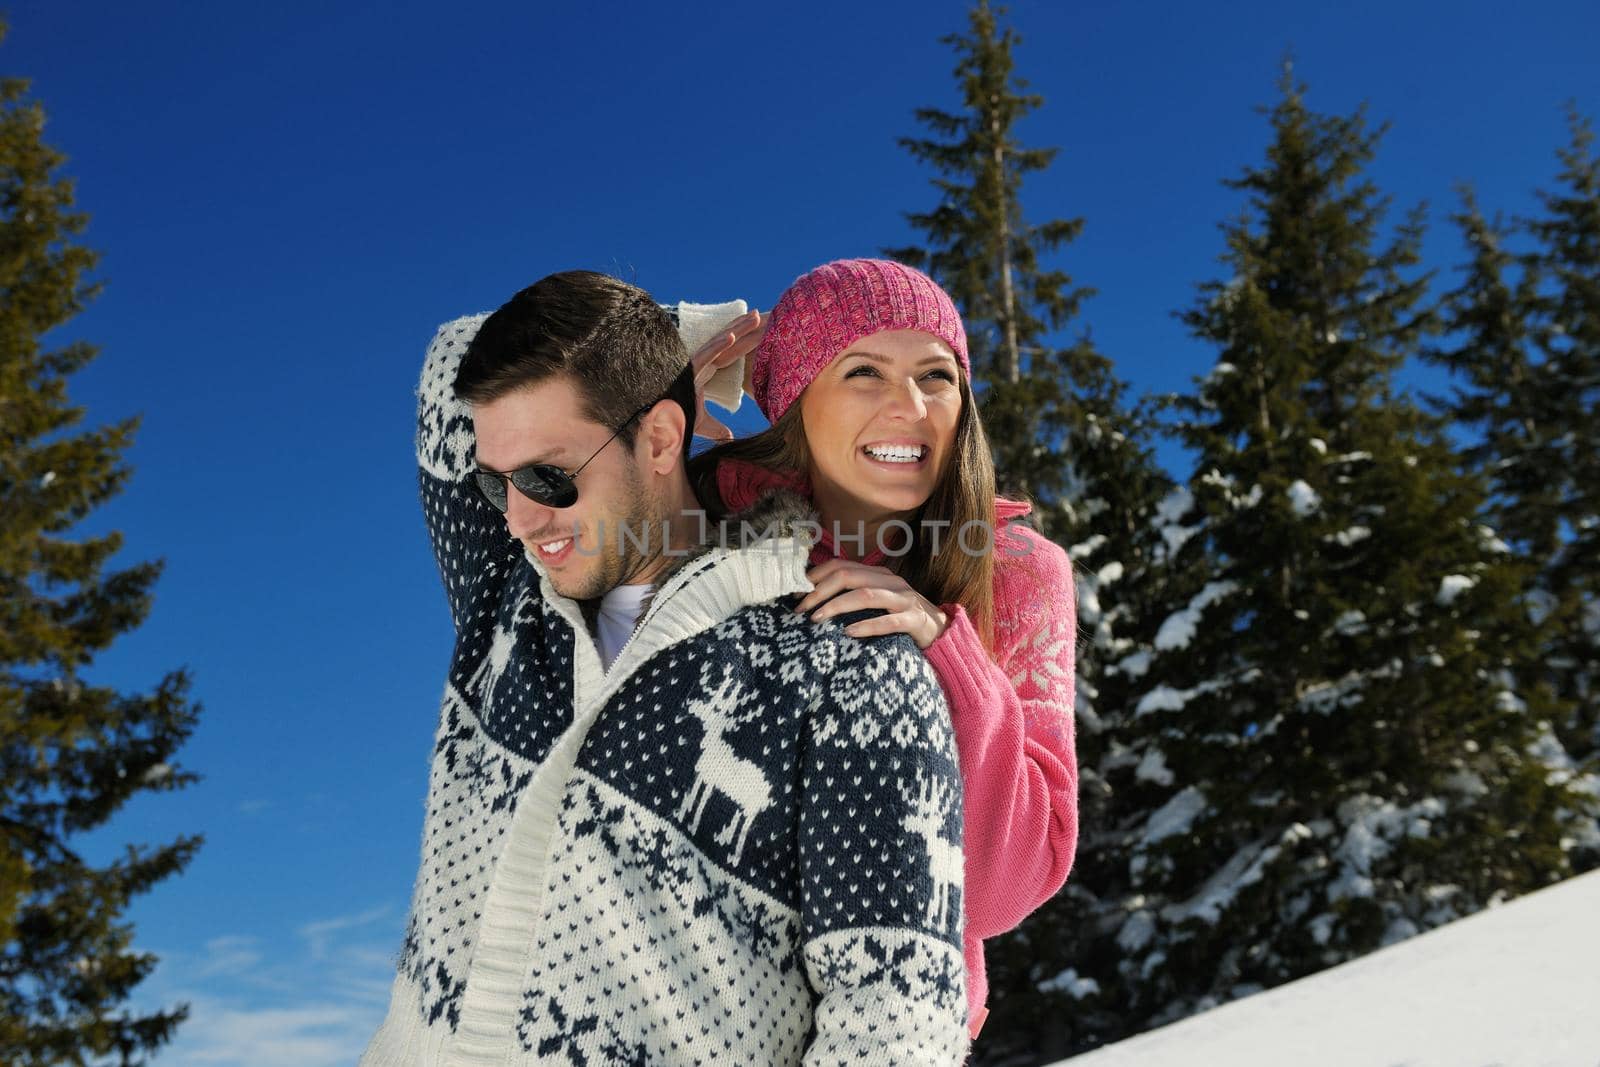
[545, 483]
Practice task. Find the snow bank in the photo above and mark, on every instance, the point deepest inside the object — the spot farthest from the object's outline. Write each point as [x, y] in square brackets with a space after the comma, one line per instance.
[1516, 984]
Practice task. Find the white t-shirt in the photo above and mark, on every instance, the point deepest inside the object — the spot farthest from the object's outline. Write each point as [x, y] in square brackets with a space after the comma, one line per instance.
[619, 611]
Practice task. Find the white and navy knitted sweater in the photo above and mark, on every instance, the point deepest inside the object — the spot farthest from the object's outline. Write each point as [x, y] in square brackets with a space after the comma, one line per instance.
[739, 845]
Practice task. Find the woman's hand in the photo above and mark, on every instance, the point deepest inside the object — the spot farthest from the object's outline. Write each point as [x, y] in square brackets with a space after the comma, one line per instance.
[854, 586]
[738, 339]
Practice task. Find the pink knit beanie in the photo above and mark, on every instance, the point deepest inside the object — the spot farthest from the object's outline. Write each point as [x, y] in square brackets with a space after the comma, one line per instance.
[830, 308]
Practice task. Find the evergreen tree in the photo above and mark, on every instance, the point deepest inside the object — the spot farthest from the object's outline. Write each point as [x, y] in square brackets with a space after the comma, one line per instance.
[1037, 401]
[1566, 315]
[1506, 400]
[1044, 997]
[71, 753]
[1525, 331]
[1335, 753]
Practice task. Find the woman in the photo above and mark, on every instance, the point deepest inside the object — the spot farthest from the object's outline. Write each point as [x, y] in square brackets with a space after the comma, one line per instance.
[863, 373]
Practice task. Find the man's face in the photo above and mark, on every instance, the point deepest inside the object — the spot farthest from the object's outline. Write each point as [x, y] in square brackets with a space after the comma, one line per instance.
[579, 547]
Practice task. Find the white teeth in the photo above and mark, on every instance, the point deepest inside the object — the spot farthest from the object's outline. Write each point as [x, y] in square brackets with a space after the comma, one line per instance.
[895, 453]
[551, 548]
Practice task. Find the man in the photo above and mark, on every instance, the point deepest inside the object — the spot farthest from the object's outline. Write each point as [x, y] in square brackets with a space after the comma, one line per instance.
[670, 820]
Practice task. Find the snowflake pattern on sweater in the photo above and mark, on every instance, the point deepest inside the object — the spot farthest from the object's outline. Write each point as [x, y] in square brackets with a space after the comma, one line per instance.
[741, 843]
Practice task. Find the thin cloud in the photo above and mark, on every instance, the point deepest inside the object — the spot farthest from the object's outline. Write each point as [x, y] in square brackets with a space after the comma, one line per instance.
[320, 935]
[229, 956]
[304, 1036]
[313, 999]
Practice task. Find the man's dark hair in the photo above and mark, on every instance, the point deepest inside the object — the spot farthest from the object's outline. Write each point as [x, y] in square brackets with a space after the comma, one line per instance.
[620, 349]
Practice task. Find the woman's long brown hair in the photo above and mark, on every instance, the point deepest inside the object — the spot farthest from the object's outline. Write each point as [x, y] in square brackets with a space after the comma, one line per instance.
[964, 494]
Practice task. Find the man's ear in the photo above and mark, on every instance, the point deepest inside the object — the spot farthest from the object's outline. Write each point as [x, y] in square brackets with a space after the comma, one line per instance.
[661, 435]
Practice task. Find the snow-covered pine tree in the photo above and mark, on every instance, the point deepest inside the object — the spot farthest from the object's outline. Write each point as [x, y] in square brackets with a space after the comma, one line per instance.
[1346, 757]
[71, 752]
[1045, 976]
[1566, 317]
[1504, 402]
[1524, 344]
[1058, 986]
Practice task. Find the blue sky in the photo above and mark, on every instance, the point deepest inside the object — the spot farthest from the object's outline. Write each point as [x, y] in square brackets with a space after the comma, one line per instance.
[289, 198]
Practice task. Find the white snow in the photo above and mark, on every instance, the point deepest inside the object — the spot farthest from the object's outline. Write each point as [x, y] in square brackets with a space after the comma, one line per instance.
[1119, 756]
[1242, 869]
[1069, 983]
[1137, 931]
[1166, 698]
[1085, 549]
[1225, 482]
[1513, 985]
[1090, 613]
[1507, 701]
[1469, 784]
[1176, 535]
[1491, 540]
[1175, 816]
[1374, 823]
[1541, 603]
[1350, 623]
[1161, 698]
[1135, 665]
[1175, 505]
[1179, 628]
[1351, 535]
[1153, 768]
[1325, 697]
[1548, 750]
[1398, 931]
[1303, 498]
[1452, 586]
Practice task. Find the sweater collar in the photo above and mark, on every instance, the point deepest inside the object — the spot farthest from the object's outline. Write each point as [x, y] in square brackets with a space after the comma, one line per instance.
[757, 555]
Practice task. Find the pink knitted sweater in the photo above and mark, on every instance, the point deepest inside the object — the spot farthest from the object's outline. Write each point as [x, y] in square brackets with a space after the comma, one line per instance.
[1013, 721]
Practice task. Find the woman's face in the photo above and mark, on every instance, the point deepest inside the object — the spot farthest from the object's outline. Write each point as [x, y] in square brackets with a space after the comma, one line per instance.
[880, 421]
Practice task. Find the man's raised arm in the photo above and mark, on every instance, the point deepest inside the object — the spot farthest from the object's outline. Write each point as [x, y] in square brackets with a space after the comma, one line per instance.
[470, 542]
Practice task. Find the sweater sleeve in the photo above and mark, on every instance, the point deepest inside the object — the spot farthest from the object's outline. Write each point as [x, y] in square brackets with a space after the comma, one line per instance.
[1014, 731]
[697, 324]
[471, 546]
[880, 863]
